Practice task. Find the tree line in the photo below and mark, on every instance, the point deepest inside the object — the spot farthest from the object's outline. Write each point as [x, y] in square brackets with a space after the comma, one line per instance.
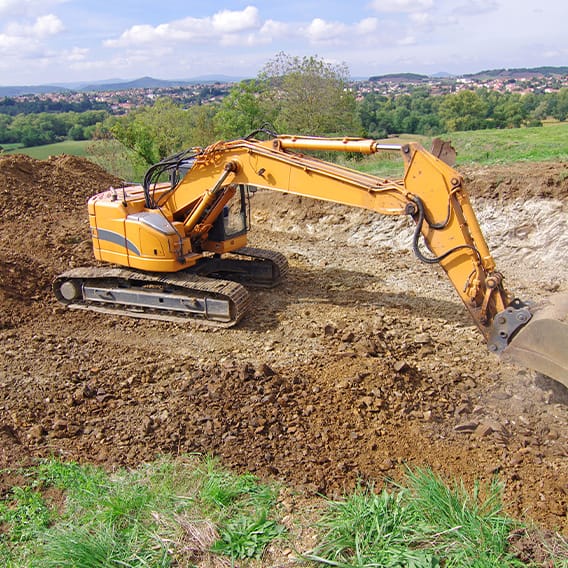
[37, 129]
[299, 95]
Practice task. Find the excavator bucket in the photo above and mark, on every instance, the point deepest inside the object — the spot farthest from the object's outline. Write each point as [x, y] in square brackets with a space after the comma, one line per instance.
[542, 344]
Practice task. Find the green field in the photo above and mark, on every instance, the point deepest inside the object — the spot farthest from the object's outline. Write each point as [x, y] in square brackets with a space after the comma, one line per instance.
[548, 143]
[72, 147]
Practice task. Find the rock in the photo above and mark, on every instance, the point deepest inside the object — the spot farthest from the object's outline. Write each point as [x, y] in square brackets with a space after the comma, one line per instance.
[329, 330]
[483, 430]
[348, 337]
[147, 425]
[422, 339]
[400, 366]
[36, 432]
[466, 427]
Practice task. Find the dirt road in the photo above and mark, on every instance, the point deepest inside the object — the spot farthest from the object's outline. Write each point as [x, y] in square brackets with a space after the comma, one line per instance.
[362, 362]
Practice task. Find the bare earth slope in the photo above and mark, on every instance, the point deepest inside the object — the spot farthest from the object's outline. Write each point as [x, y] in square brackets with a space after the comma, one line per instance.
[361, 362]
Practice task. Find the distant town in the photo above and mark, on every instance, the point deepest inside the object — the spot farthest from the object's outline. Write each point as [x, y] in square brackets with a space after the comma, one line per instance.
[121, 98]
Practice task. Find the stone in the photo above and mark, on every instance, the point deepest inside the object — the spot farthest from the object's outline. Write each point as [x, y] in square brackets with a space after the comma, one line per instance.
[400, 366]
[466, 427]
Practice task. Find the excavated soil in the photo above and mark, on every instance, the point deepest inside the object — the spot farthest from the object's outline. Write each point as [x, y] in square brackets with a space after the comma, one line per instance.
[362, 362]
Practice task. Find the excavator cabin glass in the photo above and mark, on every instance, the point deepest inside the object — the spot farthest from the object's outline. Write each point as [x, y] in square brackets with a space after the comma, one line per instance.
[234, 221]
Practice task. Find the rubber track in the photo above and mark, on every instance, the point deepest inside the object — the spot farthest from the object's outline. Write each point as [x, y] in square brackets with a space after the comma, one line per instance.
[278, 259]
[234, 292]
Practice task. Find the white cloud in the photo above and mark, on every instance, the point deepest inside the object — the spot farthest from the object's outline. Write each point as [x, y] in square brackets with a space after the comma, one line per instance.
[24, 39]
[29, 8]
[43, 26]
[474, 7]
[76, 54]
[422, 19]
[322, 31]
[273, 29]
[230, 21]
[367, 26]
[398, 6]
[221, 27]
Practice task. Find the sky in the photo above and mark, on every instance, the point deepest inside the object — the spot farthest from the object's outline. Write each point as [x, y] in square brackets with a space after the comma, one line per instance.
[58, 41]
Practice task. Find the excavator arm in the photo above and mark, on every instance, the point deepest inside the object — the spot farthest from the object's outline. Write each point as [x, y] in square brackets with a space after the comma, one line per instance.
[430, 191]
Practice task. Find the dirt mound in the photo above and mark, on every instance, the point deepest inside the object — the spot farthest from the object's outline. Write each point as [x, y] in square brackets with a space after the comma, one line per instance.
[361, 362]
[44, 219]
[526, 180]
[59, 182]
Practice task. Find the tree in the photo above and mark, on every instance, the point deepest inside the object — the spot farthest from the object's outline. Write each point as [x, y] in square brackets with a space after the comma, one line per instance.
[153, 132]
[243, 110]
[465, 110]
[560, 109]
[310, 96]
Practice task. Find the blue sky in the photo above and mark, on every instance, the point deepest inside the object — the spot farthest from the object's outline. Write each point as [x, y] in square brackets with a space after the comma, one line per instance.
[54, 41]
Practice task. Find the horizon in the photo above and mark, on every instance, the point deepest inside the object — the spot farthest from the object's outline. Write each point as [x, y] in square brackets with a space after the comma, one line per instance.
[67, 41]
[213, 77]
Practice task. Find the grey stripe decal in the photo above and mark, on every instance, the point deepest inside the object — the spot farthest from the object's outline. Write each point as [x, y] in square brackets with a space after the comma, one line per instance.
[117, 239]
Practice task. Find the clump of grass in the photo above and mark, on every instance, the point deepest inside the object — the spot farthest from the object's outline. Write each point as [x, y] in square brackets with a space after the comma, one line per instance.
[423, 522]
[465, 528]
[241, 506]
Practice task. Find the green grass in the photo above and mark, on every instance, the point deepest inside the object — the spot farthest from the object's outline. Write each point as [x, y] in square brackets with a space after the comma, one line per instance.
[72, 147]
[537, 144]
[170, 512]
[424, 523]
[190, 511]
[484, 147]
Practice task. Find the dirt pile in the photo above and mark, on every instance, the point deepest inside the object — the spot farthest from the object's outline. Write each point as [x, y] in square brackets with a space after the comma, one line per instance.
[44, 222]
[361, 362]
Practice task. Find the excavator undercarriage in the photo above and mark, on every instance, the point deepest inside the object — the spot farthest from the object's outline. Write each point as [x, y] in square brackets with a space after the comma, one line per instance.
[210, 293]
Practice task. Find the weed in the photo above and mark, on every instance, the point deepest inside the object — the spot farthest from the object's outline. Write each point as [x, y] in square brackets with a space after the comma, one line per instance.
[247, 537]
[25, 513]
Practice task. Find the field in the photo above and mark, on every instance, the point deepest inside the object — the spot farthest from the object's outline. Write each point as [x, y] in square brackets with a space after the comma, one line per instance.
[71, 147]
[361, 365]
[479, 147]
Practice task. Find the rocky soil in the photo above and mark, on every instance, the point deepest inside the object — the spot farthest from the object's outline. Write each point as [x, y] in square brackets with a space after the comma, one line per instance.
[362, 362]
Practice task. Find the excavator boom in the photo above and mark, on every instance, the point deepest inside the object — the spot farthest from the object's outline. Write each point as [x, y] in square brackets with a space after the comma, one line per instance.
[184, 227]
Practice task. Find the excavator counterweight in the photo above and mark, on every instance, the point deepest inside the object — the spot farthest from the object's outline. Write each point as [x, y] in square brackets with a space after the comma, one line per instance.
[181, 246]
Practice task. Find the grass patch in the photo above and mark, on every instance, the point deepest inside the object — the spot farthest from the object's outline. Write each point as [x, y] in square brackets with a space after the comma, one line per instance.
[170, 512]
[512, 145]
[72, 147]
[483, 147]
[191, 512]
[421, 523]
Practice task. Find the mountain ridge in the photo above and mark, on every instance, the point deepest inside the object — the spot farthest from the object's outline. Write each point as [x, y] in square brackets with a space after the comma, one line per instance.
[151, 82]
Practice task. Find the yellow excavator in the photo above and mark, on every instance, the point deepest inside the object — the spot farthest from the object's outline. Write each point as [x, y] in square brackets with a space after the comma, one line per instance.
[177, 250]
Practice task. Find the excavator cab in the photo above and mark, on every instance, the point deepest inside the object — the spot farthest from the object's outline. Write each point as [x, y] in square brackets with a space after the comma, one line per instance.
[234, 220]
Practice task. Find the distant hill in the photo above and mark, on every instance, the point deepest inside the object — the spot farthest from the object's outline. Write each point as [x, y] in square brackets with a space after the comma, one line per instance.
[399, 78]
[519, 73]
[31, 90]
[114, 85]
[141, 83]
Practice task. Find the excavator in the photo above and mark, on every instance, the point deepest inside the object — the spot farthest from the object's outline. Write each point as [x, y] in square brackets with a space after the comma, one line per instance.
[176, 250]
